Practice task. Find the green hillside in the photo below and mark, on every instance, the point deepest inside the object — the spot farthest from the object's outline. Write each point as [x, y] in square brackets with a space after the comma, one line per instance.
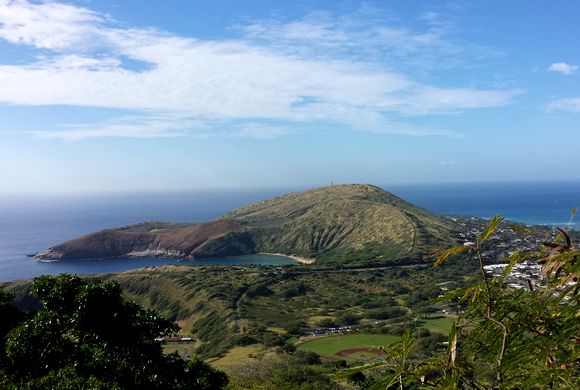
[224, 307]
[343, 222]
[356, 222]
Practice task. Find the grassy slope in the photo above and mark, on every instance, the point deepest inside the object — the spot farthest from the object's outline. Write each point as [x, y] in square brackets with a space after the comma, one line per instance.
[239, 355]
[230, 307]
[342, 222]
[208, 302]
[437, 325]
[346, 223]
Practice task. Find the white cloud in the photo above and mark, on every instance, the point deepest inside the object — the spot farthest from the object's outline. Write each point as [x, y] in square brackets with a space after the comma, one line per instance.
[428, 100]
[47, 25]
[363, 34]
[152, 126]
[370, 34]
[261, 131]
[196, 81]
[563, 68]
[567, 105]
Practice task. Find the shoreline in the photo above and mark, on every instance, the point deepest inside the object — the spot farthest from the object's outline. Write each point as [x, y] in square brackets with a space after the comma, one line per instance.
[301, 260]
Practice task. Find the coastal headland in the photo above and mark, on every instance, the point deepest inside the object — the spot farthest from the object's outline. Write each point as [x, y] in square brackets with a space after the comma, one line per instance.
[346, 222]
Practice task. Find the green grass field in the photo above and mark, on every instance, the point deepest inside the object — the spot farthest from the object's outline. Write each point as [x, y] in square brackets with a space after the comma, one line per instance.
[183, 349]
[328, 346]
[437, 324]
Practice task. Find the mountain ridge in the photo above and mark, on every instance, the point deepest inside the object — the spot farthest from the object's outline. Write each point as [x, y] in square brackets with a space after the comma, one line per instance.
[356, 221]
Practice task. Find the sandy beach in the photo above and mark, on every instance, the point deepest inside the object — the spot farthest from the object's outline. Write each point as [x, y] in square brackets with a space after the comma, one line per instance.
[299, 259]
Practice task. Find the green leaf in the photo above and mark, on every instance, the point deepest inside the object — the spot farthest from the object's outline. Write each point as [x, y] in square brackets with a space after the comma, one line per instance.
[447, 253]
[490, 229]
[468, 292]
[514, 258]
[521, 229]
[452, 349]
[388, 381]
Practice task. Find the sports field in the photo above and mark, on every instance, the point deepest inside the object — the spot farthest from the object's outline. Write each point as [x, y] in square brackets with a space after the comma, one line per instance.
[330, 346]
[185, 350]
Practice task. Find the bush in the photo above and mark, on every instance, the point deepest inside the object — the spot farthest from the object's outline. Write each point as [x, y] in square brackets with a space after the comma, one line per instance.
[506, 337]
[259, 290]
[86, 335]
[293, 328]
[327, 323]
[245, 340]
[307, 357]
[272, 339]
[356, 377]
[385, 313]
[294, 289]
[347, 318]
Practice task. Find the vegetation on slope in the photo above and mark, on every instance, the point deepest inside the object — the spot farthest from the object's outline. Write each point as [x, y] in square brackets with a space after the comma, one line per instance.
[346, 223]
[504, 337]
[225, 307]
[86, 335]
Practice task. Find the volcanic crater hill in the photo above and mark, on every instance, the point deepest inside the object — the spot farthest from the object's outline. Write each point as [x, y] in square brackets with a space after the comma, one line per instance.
[342, 222]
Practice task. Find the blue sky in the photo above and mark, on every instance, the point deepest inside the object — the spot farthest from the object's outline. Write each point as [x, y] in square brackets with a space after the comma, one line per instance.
[149, 95]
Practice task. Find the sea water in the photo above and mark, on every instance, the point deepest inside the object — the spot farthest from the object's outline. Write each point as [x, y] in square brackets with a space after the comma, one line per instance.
[548, 203]
[31, 223]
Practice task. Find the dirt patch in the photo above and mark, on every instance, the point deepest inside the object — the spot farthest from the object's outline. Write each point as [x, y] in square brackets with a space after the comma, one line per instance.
[348, 352]
[370, 289]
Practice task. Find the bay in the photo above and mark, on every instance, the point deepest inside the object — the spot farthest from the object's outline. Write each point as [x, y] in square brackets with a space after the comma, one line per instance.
[30, 223]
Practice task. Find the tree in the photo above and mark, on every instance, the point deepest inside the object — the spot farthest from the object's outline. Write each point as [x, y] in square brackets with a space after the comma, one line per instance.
[529, 336]
[86, 335]
[511, 337]
[506, 337]
[9, 317]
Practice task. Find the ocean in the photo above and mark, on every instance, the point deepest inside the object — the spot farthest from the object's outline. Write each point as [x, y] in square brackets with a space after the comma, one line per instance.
[31, 223]
[549, 203]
